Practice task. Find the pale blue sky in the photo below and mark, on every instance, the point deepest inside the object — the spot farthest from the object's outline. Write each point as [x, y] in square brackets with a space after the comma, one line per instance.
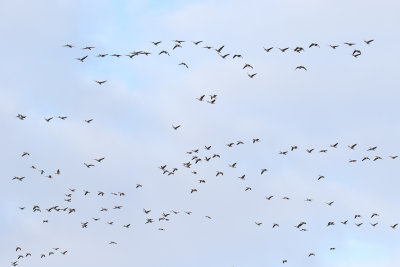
[339, 99]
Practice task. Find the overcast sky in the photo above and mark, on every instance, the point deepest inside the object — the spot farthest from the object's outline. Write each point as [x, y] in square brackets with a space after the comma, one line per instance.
[339, 98]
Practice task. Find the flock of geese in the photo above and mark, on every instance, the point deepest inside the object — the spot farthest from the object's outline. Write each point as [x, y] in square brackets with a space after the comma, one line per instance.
[195, 159]
[220, 50]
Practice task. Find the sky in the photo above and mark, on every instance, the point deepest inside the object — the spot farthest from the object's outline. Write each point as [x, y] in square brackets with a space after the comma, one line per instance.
[338, 99]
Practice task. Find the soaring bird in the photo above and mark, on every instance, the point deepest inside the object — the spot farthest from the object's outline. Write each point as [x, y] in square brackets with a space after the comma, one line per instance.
[82, 59]
[369, 41]
[176, 46]
[267, 49]
[48, 119]
[263, 170]
[334, 46]
[352, 146]
[25, 154]
[300, 67]
[258, 223]
[334, 145]
[283, 50]
[197, 43]
[220, 49]
[157, 43]
[99, 160]
[88, 48]
[313, 44]
[68, 45]
[176, 127]
[88, 165]
[101, 82]
[247, 66]
[163, 52]
[201, 98]
[184, 64]
[349, 44]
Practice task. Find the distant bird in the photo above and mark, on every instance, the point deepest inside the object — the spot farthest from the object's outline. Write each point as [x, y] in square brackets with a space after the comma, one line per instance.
[89, 121]
[268, 49]
[263, 170]
[157, 43]
[349, 44]
[313, 44]
[352, 146]
[163, 52]
[99, 160]
[394, 226]
[88, 47]
[176, 127]
[48, 119]
[201, 98]
[88, 165]
[247, 66]
[25, 154]
[334, 46]
[184, 64]
[82, 59]
[258, 223]
[101, 82]
[197, 43]
[220, 49]
[300, 67]
[283, 50]
[369, 41]
[68, 45]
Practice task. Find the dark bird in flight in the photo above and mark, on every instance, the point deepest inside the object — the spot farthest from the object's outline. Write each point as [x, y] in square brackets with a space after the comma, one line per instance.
[283, 50]
[176, 46]
[251, 75]
[197, 43]
[352, 146]
[263, 170]
[247, 66]
[176, 127]
[201, 98]
[88, 47]
[334, 46]
[369, 41]
[300, 67]
[48, 119]
[82, 59]
[88, 165]
[268, 49]
[157, 43]
[237, 55]
[68, 45]
[163, 52]
[313, 44]
[89, 121]
[101, 82]
[349, 44]
[184, 64]
[99, 160]
[220, 49]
